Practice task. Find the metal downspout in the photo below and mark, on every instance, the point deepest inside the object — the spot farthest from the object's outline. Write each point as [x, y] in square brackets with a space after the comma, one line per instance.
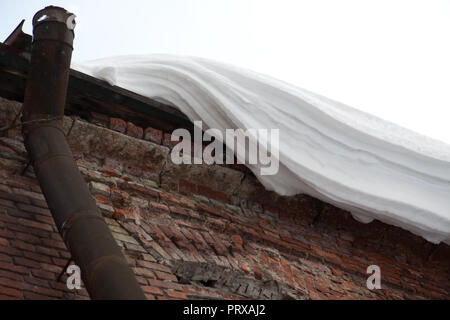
[104, 269]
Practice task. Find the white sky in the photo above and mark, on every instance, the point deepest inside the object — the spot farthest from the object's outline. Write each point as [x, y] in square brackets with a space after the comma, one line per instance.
[389, 58]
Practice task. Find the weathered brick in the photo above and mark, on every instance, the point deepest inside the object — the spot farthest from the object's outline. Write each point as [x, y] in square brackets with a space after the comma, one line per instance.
[178, 210]
[164, 284]
[153, 135]
[134, 131]
[125, 238]
[154, 266]
[6, 234]
[210, 193]
[187, 187]
[165, 276]
[26, 262]
[213, 211]
[10, 275]
[47, 251]
[28, 194]
[144, 272]
[176, 294]
[11, 292]
[34, 296]
[43, 274]
[117, 124]
[152, 290]
[48, 292]
[124, 214]
[54, 243]
[99, 188]
[34, 224]
[159, 206]
[4, 242]
[14, 284]
[285, 256]
[23, 245]
[238, 242]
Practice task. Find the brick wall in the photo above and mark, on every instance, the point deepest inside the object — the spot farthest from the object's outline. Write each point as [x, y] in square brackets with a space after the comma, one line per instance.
[198, 231]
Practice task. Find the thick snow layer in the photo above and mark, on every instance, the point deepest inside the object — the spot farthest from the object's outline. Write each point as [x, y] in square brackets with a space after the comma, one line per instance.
[373, 168]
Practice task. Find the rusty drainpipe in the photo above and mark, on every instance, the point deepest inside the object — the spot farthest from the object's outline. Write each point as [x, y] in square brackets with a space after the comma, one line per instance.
[104, 269]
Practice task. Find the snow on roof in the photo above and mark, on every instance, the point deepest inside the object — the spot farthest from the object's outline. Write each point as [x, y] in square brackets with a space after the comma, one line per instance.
[371, 167]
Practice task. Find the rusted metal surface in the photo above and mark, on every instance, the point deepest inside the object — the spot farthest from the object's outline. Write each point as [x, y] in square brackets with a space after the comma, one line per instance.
[104, 268]
[20, 41]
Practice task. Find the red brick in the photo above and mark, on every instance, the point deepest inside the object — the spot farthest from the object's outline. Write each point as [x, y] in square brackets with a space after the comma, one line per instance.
[328, 256]
[13, 284]
[152, 290]
[151, 265]
[217, 224]
[99, 119]
[101, 198]
[54, 243]
[178, 210]
[117, 124]
[26, 237]
[144, 272]
[5, 258]
[29, 194]
[51, 267]
[123, 214]
[264, 258]
[6, 234]
[213, 211]
[13, 268]
[11, 292]
[44, 219]
[43, 274]
[287, 272]
[10, 275]
[166, 276]
[187, 187]
[155, 232]
[176, 294]
[153, 135]
[4, 242]
[26, 262]
[36, 281]
[47, 251]
[159, 206]
[34, 224]
[48, 292]
[173, 233]
[23, 245]
[35, 296]
[210, 193]
[238, 242]
[7, 203]
[60, 262]
[168, 198]
[134, 131]
[140, 189]
[164, 284]
[198, 238]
